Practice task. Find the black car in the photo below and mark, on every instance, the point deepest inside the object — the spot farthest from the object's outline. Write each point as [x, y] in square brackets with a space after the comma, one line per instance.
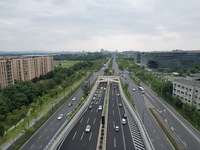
[125, 115]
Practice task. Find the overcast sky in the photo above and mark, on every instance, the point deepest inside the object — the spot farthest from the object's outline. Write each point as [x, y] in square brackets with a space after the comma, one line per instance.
[77, 25]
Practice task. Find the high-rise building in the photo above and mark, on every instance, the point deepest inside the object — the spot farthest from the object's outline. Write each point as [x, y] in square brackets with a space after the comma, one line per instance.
[23, 68]
[6, 72]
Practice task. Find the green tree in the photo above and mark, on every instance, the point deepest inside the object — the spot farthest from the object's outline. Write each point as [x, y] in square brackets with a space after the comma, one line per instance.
[196, 118]
[14, 120]
[188, 72]
[2, 129]
[188, 110]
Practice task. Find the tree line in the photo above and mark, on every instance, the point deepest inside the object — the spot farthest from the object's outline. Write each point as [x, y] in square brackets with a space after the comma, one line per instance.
[88, 57]
[16, 98]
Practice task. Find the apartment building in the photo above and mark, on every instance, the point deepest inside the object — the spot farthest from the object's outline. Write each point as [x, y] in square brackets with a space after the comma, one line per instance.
[23, 68]
[188, 90]
[6, 72]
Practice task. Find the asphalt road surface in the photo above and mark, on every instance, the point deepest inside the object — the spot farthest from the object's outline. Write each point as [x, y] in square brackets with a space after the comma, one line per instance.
[78, 138]
[119, 140]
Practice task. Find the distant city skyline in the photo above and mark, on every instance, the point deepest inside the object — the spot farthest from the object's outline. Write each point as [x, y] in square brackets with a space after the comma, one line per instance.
[123, 25]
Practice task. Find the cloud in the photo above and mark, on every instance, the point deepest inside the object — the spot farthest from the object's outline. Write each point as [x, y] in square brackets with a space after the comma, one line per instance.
[93, 24]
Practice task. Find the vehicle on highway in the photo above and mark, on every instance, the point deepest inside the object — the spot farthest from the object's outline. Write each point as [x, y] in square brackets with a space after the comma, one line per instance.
[133, 89]
[74, 99]
[90, 107]
[118, 94]
[100, 107]
[70, 104]
[116, 128]
[120, 104]
[88, 128]
[125, 115]
[60, 116]
[123, 121]
[141, 89]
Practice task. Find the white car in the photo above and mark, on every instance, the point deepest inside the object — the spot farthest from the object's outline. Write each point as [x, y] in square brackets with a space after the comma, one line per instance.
[88, 128]
[60, 116]
[100, 107]
[116, 128]
[123, 121]
[74, 99]
[70, 104]
[133, 89]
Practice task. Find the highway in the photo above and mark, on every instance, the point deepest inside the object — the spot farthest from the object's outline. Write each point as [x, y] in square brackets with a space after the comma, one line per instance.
[189, 136]
[46, 132]
[122, 139]
[156, 134]
[41, 138]
[78, 138]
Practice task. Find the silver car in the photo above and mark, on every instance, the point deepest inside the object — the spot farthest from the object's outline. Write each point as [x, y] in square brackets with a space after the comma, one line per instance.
[60, 116]
[116, 128]
[88, 128]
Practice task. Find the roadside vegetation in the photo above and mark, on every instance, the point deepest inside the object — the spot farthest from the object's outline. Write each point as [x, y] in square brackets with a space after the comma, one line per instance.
[25, 101]
[162, 87]
[126, 91]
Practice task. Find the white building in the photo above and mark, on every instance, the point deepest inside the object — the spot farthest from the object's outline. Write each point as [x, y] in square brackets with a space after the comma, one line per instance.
[188, 90]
